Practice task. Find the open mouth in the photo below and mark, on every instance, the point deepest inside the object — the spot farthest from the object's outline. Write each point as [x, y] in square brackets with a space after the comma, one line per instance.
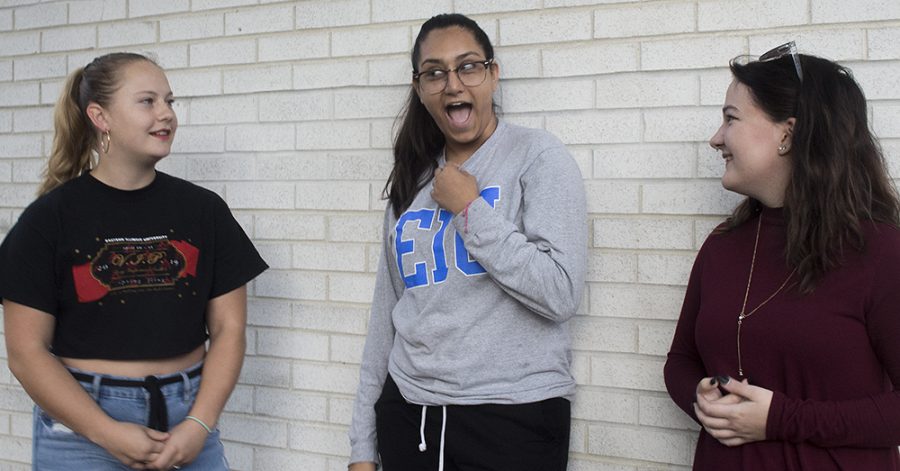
[161, 133]
[459, 113]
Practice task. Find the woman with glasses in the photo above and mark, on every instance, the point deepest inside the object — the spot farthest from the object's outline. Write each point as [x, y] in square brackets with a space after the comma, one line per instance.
[467, 361]
[787, 350]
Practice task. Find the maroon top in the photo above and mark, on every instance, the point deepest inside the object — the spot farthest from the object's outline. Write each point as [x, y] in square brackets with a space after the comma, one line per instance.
[831, 357]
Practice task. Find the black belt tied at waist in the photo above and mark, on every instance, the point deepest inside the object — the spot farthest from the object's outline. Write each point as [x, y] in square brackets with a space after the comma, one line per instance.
[159, 414]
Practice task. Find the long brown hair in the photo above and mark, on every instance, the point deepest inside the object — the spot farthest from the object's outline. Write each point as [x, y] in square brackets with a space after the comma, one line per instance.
[839, 179]
[75, 139]
[419, 140]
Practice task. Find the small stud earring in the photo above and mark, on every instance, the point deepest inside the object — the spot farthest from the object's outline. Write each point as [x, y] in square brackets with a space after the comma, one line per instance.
[782, 148]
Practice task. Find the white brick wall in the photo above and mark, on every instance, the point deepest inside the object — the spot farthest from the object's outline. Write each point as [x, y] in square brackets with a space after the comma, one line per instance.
[327, 13]
[68, 38]
[644, 20]
[20, 145]
[368, 40]
[152, 7]
[15, 44]
[6, 20]
[545, 27]
[126, 33]
[287, 109]
[6, 122]
[223, 109]
[722, 15]
[39, 67]
[191, 27]
[837, 11]
[223, 52]
[264, 78]
[39, 16]
[90, 11]
[19, 94]
[260, 20]
[299, 45]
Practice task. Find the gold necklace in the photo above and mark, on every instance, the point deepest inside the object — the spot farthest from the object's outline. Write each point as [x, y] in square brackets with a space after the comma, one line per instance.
[744, 314]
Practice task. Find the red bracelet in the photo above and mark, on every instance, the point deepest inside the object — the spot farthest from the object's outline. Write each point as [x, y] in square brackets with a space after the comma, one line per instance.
[466, 215]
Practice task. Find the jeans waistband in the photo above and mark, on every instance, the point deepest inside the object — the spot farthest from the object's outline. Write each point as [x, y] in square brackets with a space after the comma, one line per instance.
[158, 417]
[137, 382]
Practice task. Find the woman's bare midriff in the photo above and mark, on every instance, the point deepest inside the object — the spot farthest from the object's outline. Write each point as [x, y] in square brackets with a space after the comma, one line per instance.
[138, 368]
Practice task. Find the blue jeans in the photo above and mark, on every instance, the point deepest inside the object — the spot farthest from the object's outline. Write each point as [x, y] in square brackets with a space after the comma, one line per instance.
[56, 447]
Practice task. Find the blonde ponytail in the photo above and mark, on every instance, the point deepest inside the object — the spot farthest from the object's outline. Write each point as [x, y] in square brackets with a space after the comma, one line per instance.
[74, 138]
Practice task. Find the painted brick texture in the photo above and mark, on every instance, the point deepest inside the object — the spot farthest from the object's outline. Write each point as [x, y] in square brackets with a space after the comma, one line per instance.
[287, 110]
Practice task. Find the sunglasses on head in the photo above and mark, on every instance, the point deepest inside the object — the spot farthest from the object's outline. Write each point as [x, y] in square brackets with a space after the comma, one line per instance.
[781, 51]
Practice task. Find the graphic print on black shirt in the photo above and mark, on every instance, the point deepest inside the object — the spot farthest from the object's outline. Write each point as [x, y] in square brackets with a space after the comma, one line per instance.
[134, 263]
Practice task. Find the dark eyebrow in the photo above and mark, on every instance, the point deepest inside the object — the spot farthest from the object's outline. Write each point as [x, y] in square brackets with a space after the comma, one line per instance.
[151, 92]
[459, 57]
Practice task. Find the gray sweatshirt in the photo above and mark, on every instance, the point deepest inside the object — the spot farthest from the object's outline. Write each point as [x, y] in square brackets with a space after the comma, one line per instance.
[473, 308]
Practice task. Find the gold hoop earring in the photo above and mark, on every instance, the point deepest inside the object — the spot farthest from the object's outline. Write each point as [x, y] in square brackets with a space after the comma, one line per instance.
[105, 139]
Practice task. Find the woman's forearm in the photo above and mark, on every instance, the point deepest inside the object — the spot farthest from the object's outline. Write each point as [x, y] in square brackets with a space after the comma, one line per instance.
[227, 341]
[45, 379]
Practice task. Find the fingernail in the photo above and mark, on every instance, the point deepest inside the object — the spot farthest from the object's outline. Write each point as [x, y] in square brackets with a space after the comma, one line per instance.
[712, 381]
[723, 379]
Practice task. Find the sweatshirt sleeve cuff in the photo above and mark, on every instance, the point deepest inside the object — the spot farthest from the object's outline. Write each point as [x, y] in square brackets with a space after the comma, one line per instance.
[364, 452]
[473, 219]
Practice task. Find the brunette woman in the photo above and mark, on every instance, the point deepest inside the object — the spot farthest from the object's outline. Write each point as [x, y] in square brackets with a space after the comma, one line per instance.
[483, 264]
[786, 351]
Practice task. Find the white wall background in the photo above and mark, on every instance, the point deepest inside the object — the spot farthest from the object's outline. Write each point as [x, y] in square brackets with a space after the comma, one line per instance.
[286, 109]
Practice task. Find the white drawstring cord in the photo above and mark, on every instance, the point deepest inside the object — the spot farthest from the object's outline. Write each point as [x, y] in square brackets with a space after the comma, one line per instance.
[423, 446]
[443, 429]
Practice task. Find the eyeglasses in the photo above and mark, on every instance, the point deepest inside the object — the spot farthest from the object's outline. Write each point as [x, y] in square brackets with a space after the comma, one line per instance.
[781, 51]
[471, 74]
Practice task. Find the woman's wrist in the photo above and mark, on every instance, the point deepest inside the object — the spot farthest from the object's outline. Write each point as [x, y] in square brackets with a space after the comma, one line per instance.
[101, 432]
[200, 422]
[465, 207]
[98, 431]
[362, 466]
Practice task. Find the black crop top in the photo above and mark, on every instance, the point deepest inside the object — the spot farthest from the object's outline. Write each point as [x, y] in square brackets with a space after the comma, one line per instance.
[127, 274]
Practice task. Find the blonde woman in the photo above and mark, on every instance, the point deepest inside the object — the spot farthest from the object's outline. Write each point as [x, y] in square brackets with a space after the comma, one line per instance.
[113, 280]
